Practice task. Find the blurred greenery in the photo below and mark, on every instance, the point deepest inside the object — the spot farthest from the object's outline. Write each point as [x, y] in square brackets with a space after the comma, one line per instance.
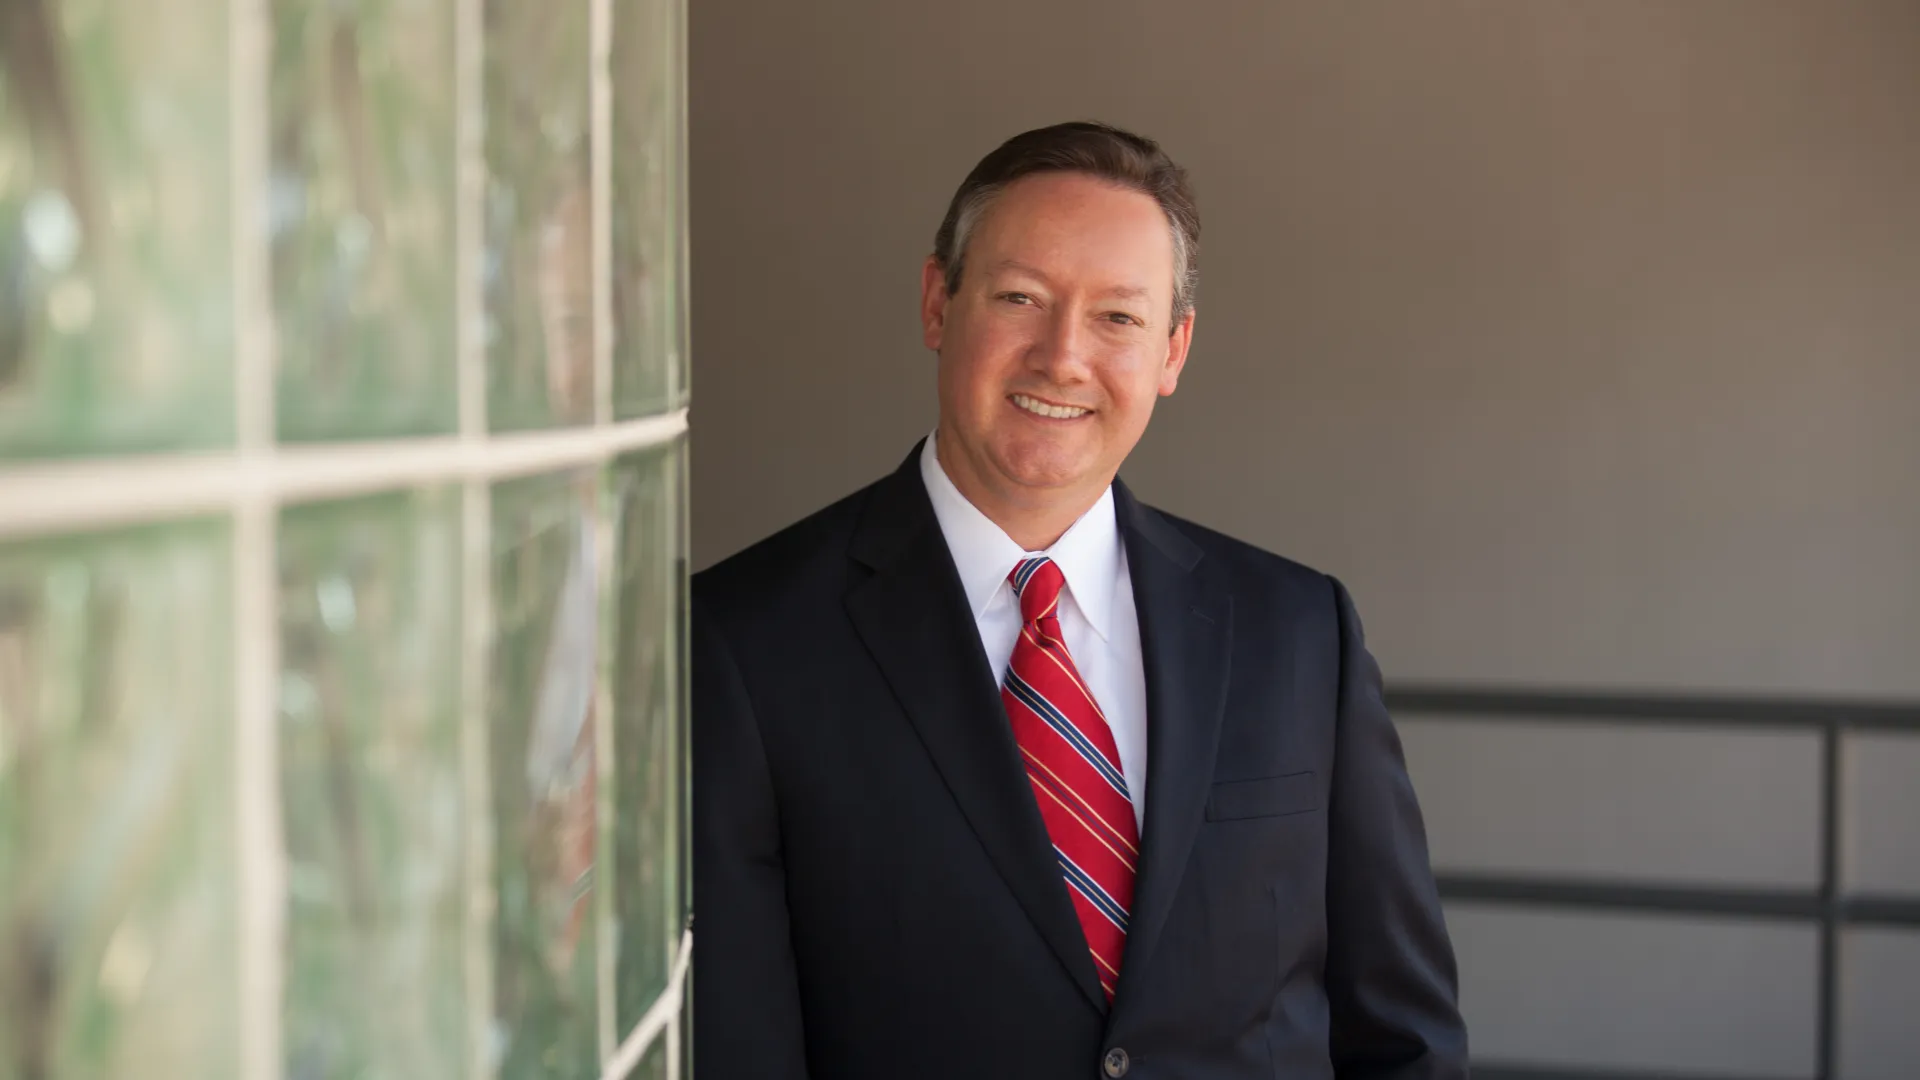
[545, 574]
[648, 301]
[371, 788]
[645, 859]
[539, 259]
[117, 887]
[360, 208]
[115, 276]
[118, 866]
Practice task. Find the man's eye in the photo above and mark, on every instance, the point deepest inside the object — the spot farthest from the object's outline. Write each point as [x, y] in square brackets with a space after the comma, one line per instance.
[1121, 318]
[1016, 298]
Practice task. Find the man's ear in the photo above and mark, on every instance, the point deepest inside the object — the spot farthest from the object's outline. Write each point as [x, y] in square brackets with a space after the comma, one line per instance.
[1177, 346]
[933, 303]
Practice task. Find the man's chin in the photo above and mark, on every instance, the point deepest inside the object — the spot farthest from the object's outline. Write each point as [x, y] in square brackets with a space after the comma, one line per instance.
[1043, 476]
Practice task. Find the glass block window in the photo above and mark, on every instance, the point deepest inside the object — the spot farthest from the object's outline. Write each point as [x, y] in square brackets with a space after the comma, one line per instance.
[343, 389]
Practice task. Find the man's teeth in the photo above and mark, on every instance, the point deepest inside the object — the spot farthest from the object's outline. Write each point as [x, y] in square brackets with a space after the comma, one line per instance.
[1041, 408]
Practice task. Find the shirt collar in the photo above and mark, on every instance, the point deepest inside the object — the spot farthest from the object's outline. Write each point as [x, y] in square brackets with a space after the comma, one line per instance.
[1088, 554]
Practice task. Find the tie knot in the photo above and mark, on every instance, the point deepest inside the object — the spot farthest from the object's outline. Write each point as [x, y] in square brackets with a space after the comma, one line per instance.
[1037, 582]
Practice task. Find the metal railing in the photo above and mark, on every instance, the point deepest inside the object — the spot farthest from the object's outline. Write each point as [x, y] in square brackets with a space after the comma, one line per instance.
[1829, 905]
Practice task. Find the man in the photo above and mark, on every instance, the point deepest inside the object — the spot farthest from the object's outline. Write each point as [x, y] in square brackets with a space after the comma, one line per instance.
[999, 773]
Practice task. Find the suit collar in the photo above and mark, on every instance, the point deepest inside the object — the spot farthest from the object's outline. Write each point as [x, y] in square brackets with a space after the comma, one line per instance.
[1142, 523]
[897, 511]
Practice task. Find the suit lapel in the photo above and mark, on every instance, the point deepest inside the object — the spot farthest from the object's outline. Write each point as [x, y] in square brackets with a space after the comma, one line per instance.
[913, 616]
[1186, 634]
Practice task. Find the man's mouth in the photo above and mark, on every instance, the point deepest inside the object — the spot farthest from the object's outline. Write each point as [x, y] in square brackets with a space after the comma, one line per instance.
[1047, 409]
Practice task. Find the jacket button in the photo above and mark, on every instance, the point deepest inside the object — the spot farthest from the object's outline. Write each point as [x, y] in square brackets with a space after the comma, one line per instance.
[1116, 1064]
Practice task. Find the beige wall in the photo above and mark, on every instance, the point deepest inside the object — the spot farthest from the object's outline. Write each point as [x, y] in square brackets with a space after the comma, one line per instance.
[1582, 338]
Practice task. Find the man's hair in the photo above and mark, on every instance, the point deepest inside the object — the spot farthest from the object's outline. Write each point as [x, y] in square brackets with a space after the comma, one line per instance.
[1093, 149]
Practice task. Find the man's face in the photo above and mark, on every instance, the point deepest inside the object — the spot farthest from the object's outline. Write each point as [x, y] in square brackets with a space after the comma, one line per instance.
[1058, 340]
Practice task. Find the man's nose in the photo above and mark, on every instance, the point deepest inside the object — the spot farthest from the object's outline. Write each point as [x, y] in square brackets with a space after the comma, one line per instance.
[1064, 352]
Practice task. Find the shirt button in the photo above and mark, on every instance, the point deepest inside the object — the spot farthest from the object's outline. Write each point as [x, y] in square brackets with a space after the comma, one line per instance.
[1116, 1064]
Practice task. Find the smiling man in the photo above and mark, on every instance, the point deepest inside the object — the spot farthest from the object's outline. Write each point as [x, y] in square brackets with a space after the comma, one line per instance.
[999, 772]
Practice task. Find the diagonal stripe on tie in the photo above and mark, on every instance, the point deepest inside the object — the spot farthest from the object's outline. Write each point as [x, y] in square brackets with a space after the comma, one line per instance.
[1069, 732]
[1093, 891]
[1047, 781]
[1066, 668]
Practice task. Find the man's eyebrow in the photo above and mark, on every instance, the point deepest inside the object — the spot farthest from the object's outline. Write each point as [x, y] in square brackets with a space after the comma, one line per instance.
[1123, 292]
[1016, 264]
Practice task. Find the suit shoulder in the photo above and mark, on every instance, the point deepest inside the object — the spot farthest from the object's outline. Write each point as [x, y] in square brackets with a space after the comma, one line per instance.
[1248, 564]
[809, 550]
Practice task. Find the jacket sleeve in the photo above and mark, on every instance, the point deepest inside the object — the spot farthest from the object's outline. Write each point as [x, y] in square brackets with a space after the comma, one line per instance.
[1390, 977]
[745, 988]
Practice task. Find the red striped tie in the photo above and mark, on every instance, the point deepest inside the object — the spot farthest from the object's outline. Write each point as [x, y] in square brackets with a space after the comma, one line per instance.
[1074, 768]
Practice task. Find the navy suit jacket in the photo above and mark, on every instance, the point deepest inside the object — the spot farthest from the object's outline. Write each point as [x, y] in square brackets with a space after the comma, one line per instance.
[875, 894]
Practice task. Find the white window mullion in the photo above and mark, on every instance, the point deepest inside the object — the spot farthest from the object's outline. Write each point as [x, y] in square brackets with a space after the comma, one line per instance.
[476, 788]
[676, 1050]
[600, 130]
[262, 863]
[600, 146]
[469, 216]
[659, 1019]
[50, 497]
[256, 661]
[476, 537]
[611, 934]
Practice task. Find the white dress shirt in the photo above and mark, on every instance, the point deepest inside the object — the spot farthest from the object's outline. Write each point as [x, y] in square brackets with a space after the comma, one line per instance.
[1097, 615]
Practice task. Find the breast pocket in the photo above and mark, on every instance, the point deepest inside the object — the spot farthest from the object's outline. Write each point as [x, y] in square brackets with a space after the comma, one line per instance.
[1273, 796]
